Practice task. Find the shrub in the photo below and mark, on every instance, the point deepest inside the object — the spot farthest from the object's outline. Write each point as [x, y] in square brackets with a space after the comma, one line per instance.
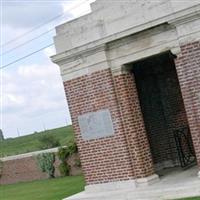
[48, 141]
[1, 168]
[64, 169]
[63, 154]
[46, 163]
[72, 148]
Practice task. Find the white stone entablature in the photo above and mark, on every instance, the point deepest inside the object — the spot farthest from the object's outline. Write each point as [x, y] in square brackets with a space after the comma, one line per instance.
[119, 32]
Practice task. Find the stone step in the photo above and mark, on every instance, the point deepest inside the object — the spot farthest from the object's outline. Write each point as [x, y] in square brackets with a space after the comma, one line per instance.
[146, 193]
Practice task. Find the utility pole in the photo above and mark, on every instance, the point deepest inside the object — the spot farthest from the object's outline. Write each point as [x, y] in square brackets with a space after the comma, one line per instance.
[1, 135]
[66, 122]
[18, 133]
[44, 127]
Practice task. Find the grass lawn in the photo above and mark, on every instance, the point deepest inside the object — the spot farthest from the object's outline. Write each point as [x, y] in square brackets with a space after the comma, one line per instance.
[53, 189]
[30, 143]
[192, 198]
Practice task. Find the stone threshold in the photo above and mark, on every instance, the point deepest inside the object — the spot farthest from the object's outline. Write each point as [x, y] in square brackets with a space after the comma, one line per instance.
[177, 184]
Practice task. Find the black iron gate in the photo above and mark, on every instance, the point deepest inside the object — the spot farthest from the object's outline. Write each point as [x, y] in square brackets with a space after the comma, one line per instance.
[185, 147]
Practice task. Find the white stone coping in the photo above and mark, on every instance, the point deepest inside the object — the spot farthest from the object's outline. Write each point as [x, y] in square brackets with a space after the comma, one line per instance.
[105, 25]
[30, 154]
[115, 51]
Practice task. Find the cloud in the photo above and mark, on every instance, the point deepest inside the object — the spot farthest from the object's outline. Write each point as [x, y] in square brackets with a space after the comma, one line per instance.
[20, 17]
[50, 51]
[78, 7]
[32, 92]
[28, 14]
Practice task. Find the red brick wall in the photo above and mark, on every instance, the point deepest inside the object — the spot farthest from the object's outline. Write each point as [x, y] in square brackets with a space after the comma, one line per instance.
[26, 169]
[22, 170]
[105, 159]
[188, 69]
[126, 155]
[133, 125]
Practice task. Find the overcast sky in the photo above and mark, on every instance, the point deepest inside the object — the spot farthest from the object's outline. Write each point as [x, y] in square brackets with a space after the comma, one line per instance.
[32, 94]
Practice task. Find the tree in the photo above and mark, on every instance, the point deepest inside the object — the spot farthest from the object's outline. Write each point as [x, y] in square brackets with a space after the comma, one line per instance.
[1, 135]
[48, 141]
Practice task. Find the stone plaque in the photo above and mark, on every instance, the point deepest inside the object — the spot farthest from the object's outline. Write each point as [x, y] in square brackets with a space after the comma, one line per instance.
[96, 125]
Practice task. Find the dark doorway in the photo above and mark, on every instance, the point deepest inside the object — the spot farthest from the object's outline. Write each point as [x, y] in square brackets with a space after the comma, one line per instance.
[162, 107]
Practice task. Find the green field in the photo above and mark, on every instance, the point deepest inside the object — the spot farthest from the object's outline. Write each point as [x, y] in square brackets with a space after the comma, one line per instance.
[52, 189]
[30, 142]
[192, 198]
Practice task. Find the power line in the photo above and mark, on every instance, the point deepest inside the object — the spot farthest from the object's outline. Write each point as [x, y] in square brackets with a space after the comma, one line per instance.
[39, 26]
[28, 41]
[33, 29]
[28, 55]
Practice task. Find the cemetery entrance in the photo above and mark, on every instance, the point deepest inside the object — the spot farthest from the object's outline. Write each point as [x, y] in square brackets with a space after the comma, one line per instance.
[163, 112]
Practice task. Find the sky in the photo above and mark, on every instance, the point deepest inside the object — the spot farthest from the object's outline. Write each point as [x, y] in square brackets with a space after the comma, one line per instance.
[32, 96]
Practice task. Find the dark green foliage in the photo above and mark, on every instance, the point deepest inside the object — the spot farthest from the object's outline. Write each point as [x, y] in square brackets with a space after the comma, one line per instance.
[1, 135]
[72, 148]
[48, 141]
[46, 163]
[63, 154]
[64, 169]
[1, 168]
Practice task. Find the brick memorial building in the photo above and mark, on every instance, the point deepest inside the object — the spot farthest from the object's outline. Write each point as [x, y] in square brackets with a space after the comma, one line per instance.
[131, 73]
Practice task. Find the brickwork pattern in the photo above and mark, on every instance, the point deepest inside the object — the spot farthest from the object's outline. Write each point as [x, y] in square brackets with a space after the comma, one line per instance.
[188, 69]
[106, 159]
[133, 123]
[22, 170]
[26, 169]
[126, 155]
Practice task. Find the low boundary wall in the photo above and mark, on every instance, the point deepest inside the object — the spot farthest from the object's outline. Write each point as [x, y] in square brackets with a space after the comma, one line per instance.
[24, 167]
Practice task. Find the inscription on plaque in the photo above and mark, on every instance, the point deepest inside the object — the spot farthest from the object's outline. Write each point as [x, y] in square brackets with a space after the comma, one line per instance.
[95, 125]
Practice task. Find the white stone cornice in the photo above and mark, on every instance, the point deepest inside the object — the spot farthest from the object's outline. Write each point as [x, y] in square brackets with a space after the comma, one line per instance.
[183, 19]
[115, 21]
[82, 63]
[187, 26]
[74, 54]
[142, 45]
[113, 49]
[118, 53]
